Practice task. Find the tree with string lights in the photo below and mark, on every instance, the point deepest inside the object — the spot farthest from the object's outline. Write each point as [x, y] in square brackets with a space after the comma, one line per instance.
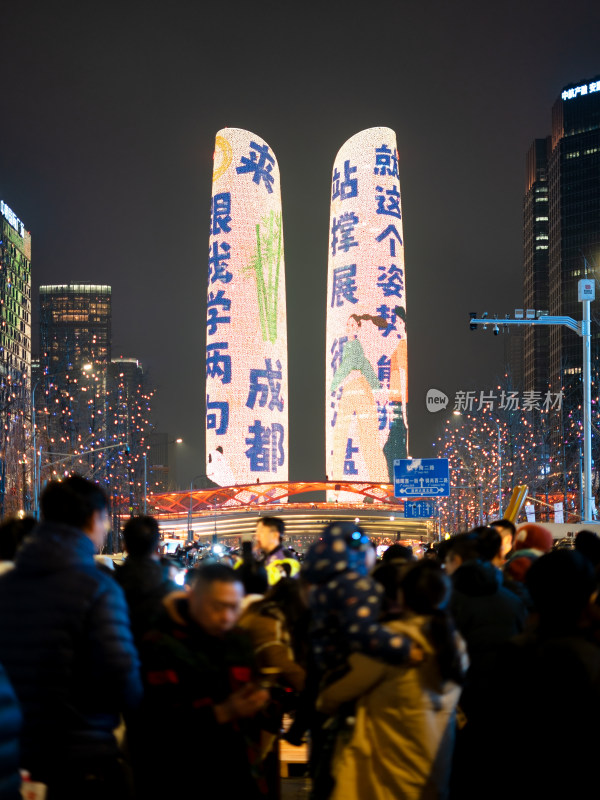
[490, 451]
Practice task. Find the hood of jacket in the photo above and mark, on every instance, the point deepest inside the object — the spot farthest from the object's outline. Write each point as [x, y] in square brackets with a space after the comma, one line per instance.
[477, 579]
[53, 547]
[176, 608]
[332, 555]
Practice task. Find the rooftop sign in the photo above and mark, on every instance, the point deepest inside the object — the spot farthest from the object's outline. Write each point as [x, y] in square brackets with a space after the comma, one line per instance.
[12, 219]
[580, 91]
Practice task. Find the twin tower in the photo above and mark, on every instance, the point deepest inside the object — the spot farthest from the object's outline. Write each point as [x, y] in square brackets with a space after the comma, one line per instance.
[246, 351]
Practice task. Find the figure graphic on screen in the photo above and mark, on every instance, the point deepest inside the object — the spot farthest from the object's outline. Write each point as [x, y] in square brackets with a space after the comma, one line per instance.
[357, 404]
[218, 469]
[397, 442]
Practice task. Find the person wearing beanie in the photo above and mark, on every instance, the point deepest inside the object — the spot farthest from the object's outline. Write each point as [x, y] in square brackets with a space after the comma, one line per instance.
[532, 536]
[345, 601]
[531, 542]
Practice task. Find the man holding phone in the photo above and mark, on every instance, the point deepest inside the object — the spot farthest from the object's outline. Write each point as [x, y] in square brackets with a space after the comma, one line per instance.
[201, 695]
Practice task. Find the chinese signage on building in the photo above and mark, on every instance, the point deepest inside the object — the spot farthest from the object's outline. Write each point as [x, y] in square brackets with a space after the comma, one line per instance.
[246, 337]
[366, 355]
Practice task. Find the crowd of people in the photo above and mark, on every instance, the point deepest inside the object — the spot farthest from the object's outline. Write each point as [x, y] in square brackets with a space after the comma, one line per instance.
[471, 672]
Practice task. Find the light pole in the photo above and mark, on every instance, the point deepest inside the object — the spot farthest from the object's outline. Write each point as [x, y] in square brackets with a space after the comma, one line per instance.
[190, 529]
[499, 469]
[145, 483]
[586, 292]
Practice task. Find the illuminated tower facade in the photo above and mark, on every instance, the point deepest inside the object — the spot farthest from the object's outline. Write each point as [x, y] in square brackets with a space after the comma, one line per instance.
[246, 336]
[15, 362]
[15, 296]
[366, 349]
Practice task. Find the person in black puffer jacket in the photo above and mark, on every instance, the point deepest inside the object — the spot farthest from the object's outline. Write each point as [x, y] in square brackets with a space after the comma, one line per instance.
[142, 576]
[487, 615]
[67, 647]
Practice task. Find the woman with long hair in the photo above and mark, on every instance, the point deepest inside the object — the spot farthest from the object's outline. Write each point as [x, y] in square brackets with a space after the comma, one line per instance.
[401, 743]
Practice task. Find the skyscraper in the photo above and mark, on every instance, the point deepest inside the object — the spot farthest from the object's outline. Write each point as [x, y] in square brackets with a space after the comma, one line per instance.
[562, 235]
[75, 326]
[72, 402]
[129, 428]
[15, 361]
[536, 228]
[574, 235]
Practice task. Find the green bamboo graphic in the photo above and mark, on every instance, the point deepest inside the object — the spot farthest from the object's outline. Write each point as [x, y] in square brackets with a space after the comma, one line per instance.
[260, 285]
[266, 265]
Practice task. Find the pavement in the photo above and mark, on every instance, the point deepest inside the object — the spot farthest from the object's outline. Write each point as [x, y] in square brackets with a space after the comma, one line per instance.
[293, 763]
[295, 788]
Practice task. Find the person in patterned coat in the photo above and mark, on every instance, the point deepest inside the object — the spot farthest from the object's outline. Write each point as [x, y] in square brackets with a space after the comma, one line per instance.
[345, 601]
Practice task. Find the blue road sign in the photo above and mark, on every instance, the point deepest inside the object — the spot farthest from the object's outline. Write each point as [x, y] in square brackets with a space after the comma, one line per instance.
[421, 477]
[413, 509]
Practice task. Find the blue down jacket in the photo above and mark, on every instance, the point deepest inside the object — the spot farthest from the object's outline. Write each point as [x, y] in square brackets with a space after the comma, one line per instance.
[66, 644]
[10, 728]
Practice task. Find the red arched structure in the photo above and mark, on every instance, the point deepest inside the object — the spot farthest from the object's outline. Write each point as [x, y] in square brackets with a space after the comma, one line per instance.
[259, 494]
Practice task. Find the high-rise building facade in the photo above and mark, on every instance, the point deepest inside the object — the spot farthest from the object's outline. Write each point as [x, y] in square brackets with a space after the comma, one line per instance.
[536, 226]
[72, 400]
[562, 235]
[15, 362]
[75, 325]
[15, 296]
[129, 468]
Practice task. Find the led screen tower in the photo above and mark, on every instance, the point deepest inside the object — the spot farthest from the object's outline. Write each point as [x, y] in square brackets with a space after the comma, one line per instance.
[246, 338]
[366, 356]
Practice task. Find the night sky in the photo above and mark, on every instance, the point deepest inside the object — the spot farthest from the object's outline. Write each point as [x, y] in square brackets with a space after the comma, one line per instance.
[109, 113]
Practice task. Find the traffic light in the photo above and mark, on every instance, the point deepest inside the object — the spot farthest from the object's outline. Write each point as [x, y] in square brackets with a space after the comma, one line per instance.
[473, 325]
